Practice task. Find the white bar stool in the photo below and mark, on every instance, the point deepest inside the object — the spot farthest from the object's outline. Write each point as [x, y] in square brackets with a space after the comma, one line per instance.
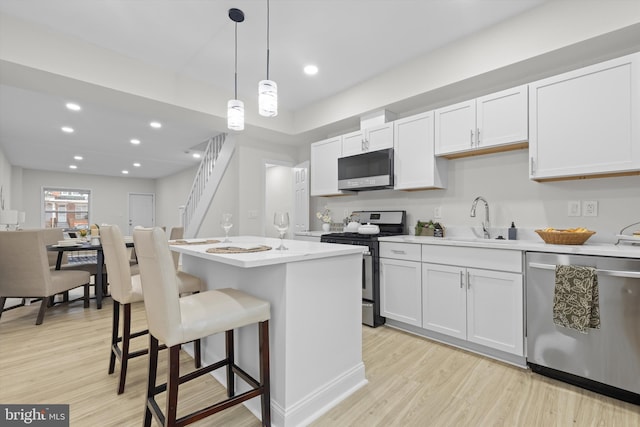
[174, 321]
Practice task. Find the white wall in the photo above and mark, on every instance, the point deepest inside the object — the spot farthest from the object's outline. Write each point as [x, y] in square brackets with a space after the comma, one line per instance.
[109, 195]
[5, 180]
[278, 197]
[503, 180]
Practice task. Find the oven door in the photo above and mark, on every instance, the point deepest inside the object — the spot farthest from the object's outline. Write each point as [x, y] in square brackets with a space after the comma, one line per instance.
[367, 275]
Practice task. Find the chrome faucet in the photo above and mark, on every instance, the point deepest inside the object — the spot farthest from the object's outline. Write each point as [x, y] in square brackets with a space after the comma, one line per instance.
[485, 223]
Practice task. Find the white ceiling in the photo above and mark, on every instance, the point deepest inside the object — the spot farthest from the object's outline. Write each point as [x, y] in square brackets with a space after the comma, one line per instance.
[350, 41]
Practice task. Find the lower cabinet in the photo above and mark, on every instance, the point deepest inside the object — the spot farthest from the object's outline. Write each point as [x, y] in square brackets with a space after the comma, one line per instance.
[400, 291]
[471, 294]
[480, 306]
[401, 282]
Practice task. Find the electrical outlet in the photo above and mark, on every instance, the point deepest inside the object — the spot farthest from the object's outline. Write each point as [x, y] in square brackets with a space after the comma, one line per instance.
[573, 208]
[590, 208]
[252, 214]
[437, 212]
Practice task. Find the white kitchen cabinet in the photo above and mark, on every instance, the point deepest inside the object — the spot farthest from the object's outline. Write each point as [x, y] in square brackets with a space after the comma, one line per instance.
[415, 165]
[324, 167]
[586, 122]
[400, 283]
[444, 300]
[480, 305]
[495, 310]
[369, 139]
[495, 122]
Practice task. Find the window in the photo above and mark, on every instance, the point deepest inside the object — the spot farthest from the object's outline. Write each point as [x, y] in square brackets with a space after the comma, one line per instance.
[66, 208]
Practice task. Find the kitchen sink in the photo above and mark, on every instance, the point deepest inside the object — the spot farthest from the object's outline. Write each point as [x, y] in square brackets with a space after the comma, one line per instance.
[477, 240]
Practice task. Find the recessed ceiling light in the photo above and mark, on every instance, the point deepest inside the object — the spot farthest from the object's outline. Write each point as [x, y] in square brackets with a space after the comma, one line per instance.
[155, 125]
[73, 107]
[311, 70]
[73, 167]
[124, 172]
[135, 141]
[77, 157]
[67, 129]
[196, 155]
[137, 165]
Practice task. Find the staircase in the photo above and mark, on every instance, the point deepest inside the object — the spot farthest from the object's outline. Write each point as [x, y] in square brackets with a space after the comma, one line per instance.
[205, 184]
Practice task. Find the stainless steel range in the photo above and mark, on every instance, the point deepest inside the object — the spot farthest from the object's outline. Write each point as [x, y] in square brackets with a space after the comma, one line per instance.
[390, 223]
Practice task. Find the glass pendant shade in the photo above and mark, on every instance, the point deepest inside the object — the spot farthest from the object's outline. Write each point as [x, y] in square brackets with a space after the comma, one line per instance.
[268, 98]
[235, 114]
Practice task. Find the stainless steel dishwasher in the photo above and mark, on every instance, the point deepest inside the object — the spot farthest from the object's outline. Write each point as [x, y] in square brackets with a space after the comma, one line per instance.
[606, 360]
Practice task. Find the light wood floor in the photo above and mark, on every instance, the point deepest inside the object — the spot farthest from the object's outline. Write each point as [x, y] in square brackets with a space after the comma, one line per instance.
[412, 381]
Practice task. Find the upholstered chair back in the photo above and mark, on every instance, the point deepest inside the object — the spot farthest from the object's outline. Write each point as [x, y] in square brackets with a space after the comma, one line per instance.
[159, 285]
[116, 258]
[24, 266]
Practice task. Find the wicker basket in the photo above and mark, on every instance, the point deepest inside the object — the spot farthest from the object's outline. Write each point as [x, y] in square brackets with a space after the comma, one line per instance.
[562, 237]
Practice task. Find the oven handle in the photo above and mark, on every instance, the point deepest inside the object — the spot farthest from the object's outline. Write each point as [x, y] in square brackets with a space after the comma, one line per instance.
[612, 273]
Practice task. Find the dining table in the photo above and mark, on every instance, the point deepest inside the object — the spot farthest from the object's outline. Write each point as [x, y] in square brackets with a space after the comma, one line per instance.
[100, 271]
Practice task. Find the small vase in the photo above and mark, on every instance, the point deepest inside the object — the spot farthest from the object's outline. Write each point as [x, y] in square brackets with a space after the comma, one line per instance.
[326, 226]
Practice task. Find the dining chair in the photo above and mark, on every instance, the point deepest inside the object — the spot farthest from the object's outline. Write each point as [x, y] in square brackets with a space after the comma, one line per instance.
[25, 271]
[125, 291]
[52, 236]
[174, 320]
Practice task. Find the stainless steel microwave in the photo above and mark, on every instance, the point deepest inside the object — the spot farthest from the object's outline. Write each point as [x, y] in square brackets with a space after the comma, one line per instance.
[367, 171]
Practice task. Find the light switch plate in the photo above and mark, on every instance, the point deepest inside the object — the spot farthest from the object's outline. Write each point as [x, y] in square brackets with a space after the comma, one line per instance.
[573, 208]
[437, 212]
[590, 208]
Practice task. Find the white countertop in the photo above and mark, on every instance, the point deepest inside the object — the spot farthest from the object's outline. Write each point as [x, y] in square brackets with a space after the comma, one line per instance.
[312, 233]
[298, 251]
[602, 249]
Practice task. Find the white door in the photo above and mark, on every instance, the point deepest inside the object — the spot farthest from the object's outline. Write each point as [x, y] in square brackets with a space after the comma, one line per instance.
[301, 197]
[142, 210]
[455, 127]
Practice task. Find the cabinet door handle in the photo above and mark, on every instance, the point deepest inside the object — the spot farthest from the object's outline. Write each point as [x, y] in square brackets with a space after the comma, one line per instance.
[471, 137]
[468, 281]
[477, 137]
[461, 280]
[398, 251]
[533, 168]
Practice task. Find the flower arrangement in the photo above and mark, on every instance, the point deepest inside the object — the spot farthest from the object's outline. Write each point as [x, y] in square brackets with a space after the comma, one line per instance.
[324, 216]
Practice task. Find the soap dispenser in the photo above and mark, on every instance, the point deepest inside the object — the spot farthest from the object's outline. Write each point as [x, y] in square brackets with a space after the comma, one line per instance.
[513, 231]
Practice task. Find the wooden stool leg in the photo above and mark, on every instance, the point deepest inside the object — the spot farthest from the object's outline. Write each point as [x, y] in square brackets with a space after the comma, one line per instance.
[173, 377]
[265, 377]
[228, 340]
[126, 339]
[86, 296]
[114, 335]
[151, 381]
[197, 353]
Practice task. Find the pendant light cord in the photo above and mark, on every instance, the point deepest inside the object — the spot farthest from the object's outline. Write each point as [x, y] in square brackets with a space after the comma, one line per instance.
[268, 39]
[236, 64]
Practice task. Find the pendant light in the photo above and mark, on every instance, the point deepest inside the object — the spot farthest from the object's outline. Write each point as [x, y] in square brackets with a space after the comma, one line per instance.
[268, 89]
[235, 107]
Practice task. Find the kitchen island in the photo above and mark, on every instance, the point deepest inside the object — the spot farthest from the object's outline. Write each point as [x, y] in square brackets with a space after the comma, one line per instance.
[315, 327]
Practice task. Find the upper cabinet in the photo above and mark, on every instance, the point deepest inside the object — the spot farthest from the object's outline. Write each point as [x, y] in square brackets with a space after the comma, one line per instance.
[324, 167]
[415, 166]
[492, 123]
[586, 122]
[370, 139]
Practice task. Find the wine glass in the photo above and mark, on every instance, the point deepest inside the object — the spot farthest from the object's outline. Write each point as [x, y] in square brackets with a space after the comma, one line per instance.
[226, 223]
[281, 222]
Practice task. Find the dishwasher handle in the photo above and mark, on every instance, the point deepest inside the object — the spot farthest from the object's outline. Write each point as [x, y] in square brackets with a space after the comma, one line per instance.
[612, 273]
